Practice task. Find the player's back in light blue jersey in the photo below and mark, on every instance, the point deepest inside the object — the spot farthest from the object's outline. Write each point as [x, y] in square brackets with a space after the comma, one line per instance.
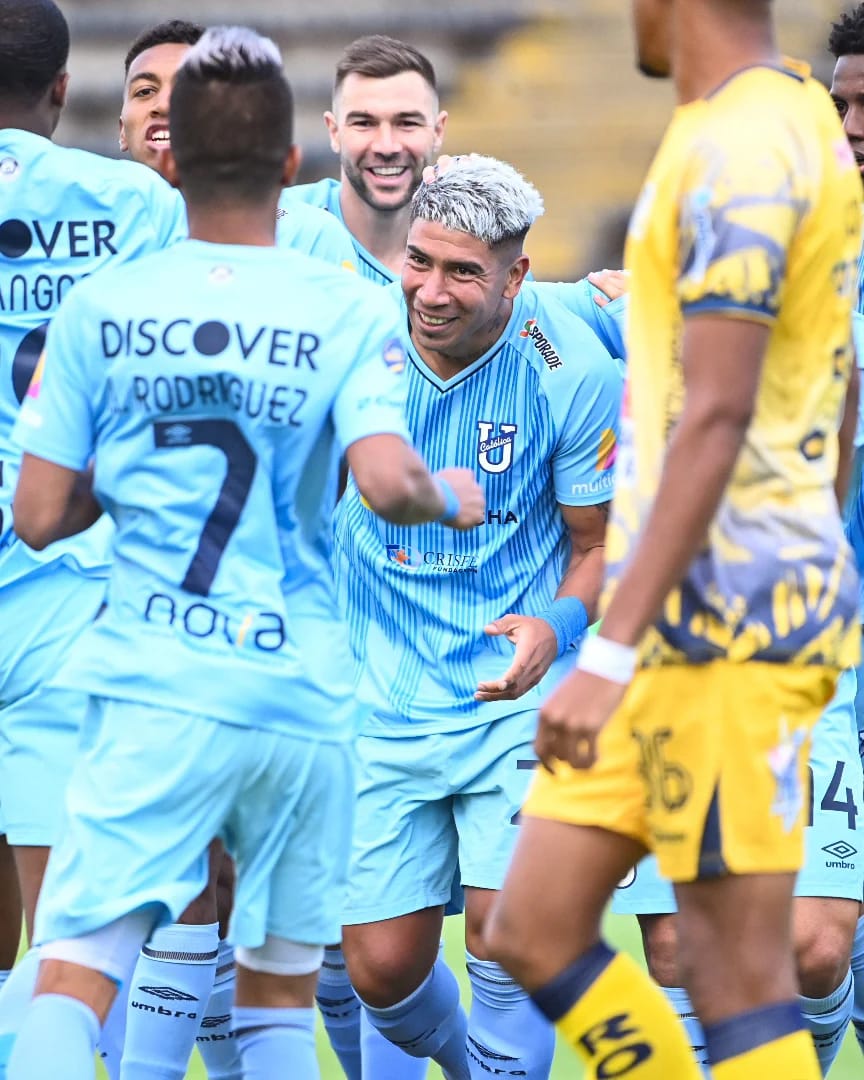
[213, 405]
[64, 214]
[536, 419]
[325, 195]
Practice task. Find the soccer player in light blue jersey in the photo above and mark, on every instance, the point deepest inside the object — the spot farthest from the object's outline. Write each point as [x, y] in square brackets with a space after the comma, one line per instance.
[150, 66]
[220, 676]
[190, 955]
[846, 43]
[386, 125]
[456, 637]
[64, 214]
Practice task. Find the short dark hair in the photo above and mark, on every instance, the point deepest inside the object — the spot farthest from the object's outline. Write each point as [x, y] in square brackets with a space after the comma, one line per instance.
[377, 56]
[232, 117]
[847, 34]
[170, 32]
[34, 48]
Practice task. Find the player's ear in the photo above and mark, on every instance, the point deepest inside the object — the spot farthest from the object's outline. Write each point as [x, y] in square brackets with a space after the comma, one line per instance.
[332, 131]
[516, 276]
[122, 140]
[59, 90]
[440, 124]
[167, 168]
[292, 165]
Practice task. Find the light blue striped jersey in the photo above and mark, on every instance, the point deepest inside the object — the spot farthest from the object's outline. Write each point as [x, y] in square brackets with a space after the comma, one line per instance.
[64, 214]
[536, 419]
[216, 407]
[325, 195]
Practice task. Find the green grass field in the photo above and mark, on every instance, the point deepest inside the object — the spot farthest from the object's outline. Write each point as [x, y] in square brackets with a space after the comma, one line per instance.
[624, 932]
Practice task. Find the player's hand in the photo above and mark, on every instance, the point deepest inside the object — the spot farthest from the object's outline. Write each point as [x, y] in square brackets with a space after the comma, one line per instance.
[613, 283]
[441, 166]
[536, 648]
[472, 501]
[573, 717]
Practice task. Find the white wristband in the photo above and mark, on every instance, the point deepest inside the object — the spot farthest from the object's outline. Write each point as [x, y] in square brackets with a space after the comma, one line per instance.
[608, 659]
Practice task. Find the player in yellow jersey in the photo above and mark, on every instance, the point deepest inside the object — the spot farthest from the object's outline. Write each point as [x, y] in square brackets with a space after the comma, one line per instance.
[731, 587]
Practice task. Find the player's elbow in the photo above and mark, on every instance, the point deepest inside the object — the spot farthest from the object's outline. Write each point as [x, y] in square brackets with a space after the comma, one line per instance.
[33, 525]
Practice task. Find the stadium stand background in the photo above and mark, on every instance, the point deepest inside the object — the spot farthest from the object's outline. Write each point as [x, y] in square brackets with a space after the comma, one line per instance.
[547, 84]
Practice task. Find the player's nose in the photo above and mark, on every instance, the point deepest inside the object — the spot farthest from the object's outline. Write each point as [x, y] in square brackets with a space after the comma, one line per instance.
[386, 140]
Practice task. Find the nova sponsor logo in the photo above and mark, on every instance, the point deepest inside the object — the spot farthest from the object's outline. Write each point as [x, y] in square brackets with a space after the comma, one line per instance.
[438, 562]
[542, 344]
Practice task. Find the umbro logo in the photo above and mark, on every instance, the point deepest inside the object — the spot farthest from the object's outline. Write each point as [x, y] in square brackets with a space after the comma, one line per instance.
[167, 993]
[215, 1021]
[840, 849]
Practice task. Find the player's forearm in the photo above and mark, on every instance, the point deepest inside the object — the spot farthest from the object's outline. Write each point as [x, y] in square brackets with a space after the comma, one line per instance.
[583, 579]
[44, 514]
[698, 465]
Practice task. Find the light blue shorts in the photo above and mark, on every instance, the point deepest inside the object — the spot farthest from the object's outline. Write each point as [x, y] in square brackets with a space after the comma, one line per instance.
[427, 803]
[151, 789]
[834, 839]
[43, 613]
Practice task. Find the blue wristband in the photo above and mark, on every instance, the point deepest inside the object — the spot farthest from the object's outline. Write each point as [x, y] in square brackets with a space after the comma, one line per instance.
[569, 620]
[451, 500]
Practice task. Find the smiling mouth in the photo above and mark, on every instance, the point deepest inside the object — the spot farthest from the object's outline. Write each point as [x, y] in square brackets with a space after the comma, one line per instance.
[160, 136]
[387, 172]
[433, 322]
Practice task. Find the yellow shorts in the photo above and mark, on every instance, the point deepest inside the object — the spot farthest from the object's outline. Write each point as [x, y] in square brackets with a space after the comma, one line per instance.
[703, 764]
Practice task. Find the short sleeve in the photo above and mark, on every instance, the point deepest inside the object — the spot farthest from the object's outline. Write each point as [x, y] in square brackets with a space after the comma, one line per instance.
[740, 208]
[607, 322]
[57, 417]
[371, 400]
[583, 462]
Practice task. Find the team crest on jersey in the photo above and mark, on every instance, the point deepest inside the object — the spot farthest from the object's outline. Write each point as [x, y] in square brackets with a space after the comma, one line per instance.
[394, 356]
[495, 447]
[783, 761]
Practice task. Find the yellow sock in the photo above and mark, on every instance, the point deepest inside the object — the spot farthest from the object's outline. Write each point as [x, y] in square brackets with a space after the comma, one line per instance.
[618, 1020]
[790, 1058]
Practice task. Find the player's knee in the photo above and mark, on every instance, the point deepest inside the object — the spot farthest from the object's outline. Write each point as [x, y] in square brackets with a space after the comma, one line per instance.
[510, 944]
[822, 951]
[384, 975]
[660, 941]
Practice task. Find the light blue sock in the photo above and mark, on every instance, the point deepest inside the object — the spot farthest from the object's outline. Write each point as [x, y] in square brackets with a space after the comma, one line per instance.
[217, 1039]
[56, 1041]
[857, 975]
[169, 992]
[679, 999]
[276, 1043]
[340, 1010]
[827, 1019]
[507, 1033]
[383, 1059]
[15, 999]
[430, 1023]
